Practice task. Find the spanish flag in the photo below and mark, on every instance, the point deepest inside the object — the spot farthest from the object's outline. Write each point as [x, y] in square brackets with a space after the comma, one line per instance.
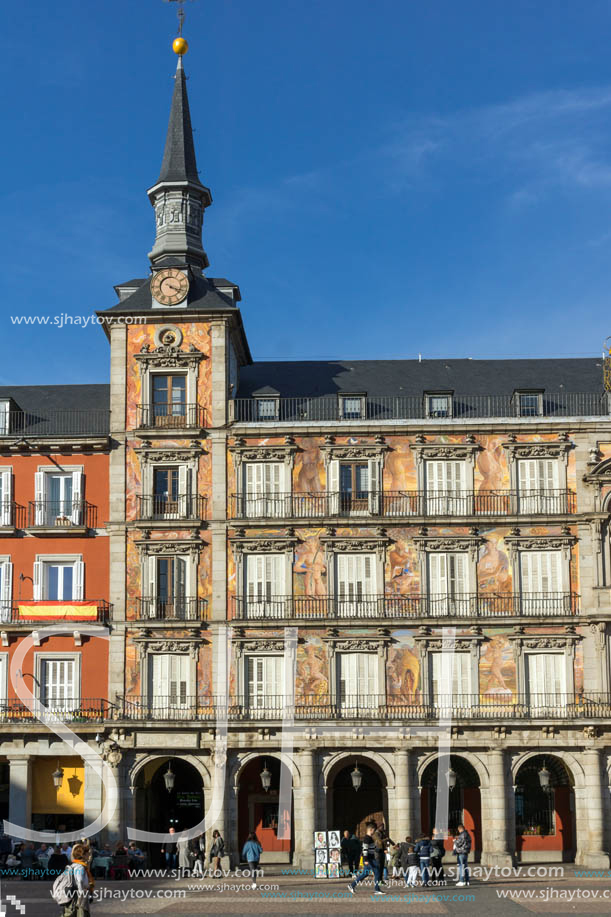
[58, 611]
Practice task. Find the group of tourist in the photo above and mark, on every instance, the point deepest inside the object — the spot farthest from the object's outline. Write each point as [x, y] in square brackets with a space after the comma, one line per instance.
[419, 861]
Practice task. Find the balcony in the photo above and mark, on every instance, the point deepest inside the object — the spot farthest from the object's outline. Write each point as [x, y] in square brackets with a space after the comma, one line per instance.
[72, 710]
[48, 611]
[62, 423]
[377, 708]
[328, 408]
[398, 504]
[467, 605]
[177, 609]
[12, 517]
[170, 417]
[161, 508]
[58, 518]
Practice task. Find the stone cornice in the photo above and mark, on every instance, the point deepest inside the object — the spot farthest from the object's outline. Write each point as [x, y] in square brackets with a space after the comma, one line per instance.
[451, 451]
[538, 449]
[353, 451]
[167, 356]
[343, 544]
[148, 546]
[518, 542]
[263, 544]
[149, 453]
[244, 451]
[470, 542]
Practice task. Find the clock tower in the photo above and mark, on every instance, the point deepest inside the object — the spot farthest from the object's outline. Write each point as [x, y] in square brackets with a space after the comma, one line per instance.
[179, 200]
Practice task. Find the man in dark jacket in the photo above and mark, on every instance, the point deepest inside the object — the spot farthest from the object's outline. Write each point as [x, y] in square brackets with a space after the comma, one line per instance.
[410, 862]
[424, 850]
[351, 851]
[370, 860]
[462, 848]
[437, 855]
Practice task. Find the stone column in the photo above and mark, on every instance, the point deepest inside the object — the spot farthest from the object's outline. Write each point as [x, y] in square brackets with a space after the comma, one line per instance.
[495, 840]
[93, 795]
[219, 823]
[401, 804]
[590, 814]
[304, 817]
[20, 791]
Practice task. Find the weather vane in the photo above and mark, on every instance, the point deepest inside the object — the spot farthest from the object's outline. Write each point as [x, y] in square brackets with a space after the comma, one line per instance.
[181, 13]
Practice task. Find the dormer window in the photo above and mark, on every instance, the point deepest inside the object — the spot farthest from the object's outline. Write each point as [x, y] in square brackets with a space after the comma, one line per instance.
[267, 408]
[529, 404]
[5, 408]
[351, 407]
[438, 404]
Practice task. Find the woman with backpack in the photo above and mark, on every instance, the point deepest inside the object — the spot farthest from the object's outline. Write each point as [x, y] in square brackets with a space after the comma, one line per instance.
[73, 889]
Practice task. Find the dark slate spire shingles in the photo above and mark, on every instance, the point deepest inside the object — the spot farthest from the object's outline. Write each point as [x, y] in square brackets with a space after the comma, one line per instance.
[179, 155]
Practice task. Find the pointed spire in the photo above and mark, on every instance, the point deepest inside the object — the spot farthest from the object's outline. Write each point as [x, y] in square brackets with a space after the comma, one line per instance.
[179, 155]
[178, 196]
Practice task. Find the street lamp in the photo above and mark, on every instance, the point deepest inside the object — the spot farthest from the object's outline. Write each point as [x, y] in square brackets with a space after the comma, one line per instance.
[357, 777]
[451, 778]
[58, 776]
[266, 777]
[544, 778]
[169, 778]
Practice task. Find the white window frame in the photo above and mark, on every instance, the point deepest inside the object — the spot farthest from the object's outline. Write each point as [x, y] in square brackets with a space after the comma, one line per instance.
[352, 396]
[469, 662]
[528, 393]
[356, 603]
[5, 416]
[261, 701]
[42, 490]
[261, 500]
[454, 498]
[274, 400]
[277, 605]
[40, 580]
[540, 498]
[150, 695]
[375, 470]
[39, 663]
[528, 598]
[430, 397]
[359, 701]
[449, 603]
[6, 496]
[4, 664]
[553, 705]
[149, 576]
[6, 589]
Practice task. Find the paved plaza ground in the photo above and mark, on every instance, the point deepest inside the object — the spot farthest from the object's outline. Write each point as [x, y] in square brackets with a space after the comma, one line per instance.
[295, 895]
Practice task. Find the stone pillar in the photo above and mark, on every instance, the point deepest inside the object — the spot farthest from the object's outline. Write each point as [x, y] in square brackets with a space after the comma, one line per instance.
[304, 802]
[401, 804]
[93, 795]
[590, 814]
[20, 791]
[495, 836]
[219, 823]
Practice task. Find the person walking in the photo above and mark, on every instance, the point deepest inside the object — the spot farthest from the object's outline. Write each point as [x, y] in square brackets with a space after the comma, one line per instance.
[424, 850]
[251, 852]
[169, 851]
[184, 856]
[370, 860]
[462, 848]
[199, 848]
[437, 854]
[410, 862]
[83, 883]
[217, 851]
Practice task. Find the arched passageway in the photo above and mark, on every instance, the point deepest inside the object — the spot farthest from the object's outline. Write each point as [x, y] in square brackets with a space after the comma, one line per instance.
[464, 802]
[159, 808]
[258, 810]
[545, 810]
[351, 809]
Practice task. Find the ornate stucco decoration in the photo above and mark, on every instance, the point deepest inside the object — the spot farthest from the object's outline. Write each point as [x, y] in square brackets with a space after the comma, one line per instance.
[470, 543]
[168, 356]
[598, 474]
[261, 644]
[191, 546]
[353, 451]
[455, 451]
[521, 641]
[149, 453]
[111, 753]
[186, 644]
[243, 451]
[276, 544]
[551, 449]
[518, 542]
[345, 544]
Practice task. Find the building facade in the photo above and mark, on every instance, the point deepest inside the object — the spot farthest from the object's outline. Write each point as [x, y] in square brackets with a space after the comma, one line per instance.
[313, 567]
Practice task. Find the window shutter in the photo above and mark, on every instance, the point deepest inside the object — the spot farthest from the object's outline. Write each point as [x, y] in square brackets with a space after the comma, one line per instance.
[78, 582]
[375, 497]
[333, 486]
[178, 668]
[6, 593]
[348, 683]
[6, 497]
[3, 676]
[39, 496]
[158, 679]
[5, 417]
[38, 580]
[77, 497]
[546, 678]
[249, 487]
[456, 565]
[150, 584]
[184, 508]
[438, 583]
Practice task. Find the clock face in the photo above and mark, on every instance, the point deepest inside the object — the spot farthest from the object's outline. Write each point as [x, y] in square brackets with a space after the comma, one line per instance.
[170, 286]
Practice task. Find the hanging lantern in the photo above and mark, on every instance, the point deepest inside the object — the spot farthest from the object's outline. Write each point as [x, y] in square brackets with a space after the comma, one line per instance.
[544, 778]
[58, 776]
[169, 778]
[452, 778]
[266, 777]
[357, 777]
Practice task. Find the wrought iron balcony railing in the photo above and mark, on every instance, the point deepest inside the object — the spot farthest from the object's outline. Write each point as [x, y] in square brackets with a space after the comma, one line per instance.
[396, 503]
[170, 416]
[12, 515]
[52, 611]
[55, 423]
[161, 507]
[465, 605]
[381, 707]
[413, 407]
[172, 609]
[62, 514]
[78, 709]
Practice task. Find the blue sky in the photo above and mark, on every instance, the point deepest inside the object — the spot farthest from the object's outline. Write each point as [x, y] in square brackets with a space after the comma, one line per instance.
[389, 178]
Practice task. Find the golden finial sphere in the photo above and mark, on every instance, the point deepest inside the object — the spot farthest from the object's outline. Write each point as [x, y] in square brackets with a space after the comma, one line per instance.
[180, 46]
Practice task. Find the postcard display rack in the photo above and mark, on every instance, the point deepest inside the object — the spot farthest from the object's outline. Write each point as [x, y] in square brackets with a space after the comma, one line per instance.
[327, 854]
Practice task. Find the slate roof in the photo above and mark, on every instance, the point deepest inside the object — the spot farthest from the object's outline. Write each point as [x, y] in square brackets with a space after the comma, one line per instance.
[63, 410]
[203, 296]
[412, 377]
